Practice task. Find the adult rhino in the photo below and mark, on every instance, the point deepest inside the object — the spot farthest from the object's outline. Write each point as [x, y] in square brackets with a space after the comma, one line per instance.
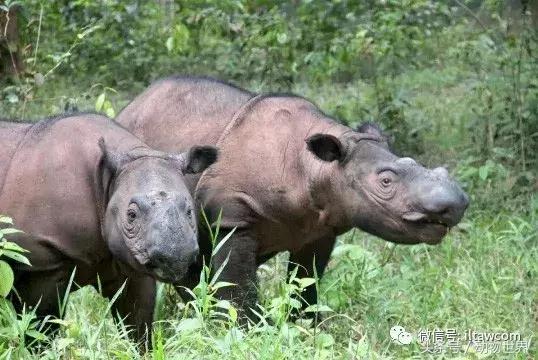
[88, 194]
[290, 178]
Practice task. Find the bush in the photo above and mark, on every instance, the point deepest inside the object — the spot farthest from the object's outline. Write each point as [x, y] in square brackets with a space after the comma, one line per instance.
[16, 331]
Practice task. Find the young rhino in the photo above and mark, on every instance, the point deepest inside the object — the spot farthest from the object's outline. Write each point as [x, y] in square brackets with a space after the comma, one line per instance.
[89, 195]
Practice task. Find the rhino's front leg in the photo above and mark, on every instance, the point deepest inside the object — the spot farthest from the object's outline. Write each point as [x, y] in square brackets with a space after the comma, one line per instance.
[42, 290]
[238, 259]
[311, 260]
[46, 281]
[135, 304]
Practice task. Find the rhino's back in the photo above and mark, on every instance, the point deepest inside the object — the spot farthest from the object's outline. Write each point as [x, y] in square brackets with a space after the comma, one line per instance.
[178, 112]
[11, 135]
[52, 190]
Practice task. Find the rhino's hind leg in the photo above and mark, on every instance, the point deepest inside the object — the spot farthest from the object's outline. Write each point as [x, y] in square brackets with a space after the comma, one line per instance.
[311, 260]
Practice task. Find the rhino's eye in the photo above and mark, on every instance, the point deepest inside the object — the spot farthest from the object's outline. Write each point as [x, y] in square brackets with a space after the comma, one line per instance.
[131, 215]
[387, 179]
[386, 182]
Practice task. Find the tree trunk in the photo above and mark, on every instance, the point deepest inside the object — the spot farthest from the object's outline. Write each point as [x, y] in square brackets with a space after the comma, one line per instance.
[10, 50]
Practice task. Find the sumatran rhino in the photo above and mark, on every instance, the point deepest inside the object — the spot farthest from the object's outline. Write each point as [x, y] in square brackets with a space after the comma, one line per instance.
[89, 195]
[290, 178]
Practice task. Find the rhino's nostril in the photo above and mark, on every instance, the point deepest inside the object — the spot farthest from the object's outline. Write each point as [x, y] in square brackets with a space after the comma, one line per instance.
[437, 208]
[448, 213]
[151, 265]
[157, 261]
[445, 206]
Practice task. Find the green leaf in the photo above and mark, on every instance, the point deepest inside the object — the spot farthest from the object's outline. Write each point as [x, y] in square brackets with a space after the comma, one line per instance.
[109, 109]
[483, 172]
[88, 31]
[223, 241]
[223, 304]
[6, 220]
[110, 113]
[12, 98]
[36, 335]
[181, 37]
[359, 350]
[100, 101]
[6, 278]
[325, 340]
[295, 304]
[354, 251]
[219, 271]
[169, 44]
[63, 343]
[189, 325]
[16, 256]
[233, 313]
[222, 284]
[10, 231]
[318, 308]
[13, 247]
[305, 282]
[60, 322]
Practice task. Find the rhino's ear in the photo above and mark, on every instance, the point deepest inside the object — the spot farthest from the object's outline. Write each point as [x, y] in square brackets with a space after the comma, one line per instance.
[326, 147]
[371, 128]
[198, 158]
[112, 160]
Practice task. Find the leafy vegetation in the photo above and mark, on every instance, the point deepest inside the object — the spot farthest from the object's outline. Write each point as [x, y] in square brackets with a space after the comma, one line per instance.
[454, 83]
[15, 328]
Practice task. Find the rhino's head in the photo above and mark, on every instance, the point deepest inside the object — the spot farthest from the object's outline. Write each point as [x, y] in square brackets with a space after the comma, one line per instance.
[394, 198]
[150, 221]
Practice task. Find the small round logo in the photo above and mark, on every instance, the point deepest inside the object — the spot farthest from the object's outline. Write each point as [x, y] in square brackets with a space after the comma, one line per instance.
[400, 336]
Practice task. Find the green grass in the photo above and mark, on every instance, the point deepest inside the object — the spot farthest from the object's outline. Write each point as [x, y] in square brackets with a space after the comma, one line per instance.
[483, 277]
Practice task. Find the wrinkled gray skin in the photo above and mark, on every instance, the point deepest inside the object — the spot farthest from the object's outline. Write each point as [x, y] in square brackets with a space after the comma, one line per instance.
[88, 194]
[289, 178]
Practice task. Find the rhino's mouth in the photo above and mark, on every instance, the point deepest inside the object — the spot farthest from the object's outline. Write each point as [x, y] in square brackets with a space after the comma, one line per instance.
[163, 275]
[432, 230]
[421, 218]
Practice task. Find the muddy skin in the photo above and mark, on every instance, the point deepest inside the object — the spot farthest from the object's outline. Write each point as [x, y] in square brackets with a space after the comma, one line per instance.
[89, 195]
[290, 178]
